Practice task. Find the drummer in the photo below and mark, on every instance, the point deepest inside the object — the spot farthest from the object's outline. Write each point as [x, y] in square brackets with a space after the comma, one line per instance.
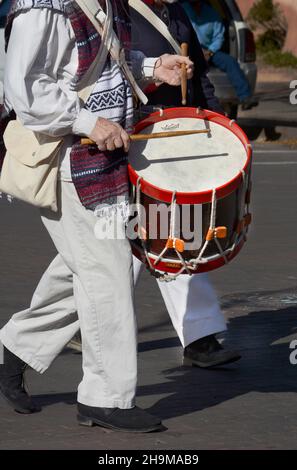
[190, 300]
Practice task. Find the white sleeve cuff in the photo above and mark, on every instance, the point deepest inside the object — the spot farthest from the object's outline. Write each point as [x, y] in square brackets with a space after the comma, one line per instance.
[148, 67]
[84, 123]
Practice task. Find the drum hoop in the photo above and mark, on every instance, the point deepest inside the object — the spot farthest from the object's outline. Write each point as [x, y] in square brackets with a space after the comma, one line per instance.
[210, 265]
[201, 197]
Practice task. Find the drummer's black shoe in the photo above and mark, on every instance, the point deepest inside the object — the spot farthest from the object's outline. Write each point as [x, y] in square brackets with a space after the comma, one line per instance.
[131, 420]
[208, 352]
[12, 384]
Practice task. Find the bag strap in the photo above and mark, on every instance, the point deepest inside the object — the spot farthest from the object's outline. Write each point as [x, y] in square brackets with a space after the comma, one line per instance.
[158, 24]
[89, 80]
[98, 18]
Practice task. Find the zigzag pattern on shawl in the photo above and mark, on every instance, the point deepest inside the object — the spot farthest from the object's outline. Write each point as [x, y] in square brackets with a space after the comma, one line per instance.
[107, 99]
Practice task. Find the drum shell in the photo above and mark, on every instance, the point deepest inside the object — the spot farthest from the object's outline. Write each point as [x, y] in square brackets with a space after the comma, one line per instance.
[227, 215]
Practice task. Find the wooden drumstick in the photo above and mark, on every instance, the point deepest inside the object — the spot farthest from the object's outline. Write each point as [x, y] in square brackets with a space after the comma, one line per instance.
[156, 135]
[184, 77]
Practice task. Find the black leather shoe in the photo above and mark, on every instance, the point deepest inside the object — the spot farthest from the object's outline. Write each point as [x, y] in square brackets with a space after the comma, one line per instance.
[12, 384]
[132, 420]
[208, 352]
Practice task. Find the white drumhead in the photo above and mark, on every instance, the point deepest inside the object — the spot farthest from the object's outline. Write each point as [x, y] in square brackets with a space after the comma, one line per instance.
[193, 163]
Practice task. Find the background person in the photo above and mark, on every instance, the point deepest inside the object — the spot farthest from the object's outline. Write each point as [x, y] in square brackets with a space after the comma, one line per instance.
[190, 300]
[210, 30]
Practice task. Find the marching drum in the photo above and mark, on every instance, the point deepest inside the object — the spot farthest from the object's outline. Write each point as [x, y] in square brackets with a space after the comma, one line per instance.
[191, 193]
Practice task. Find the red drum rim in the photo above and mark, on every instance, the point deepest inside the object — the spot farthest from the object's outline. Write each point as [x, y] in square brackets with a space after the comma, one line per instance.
[202, 268]
[193, 197]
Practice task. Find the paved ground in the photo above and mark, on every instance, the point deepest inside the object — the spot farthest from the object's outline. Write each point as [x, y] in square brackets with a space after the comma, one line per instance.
[251, 404]
[275, 117]
[247, 405]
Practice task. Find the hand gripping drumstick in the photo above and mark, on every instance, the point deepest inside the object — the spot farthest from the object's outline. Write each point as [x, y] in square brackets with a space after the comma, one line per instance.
[184, 77]
[156, 135]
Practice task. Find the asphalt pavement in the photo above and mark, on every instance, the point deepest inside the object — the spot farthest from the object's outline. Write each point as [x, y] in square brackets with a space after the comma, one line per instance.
[251, 404]
[275, 117]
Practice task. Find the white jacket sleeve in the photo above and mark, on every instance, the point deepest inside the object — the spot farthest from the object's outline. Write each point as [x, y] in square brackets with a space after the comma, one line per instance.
[42, 59]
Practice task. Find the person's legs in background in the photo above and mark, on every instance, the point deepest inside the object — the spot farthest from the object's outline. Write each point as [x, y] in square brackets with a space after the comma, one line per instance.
[193, 307]
[231, 67]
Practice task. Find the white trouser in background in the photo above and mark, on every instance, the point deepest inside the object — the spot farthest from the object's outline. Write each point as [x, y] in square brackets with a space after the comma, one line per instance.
[99, 273]
[192, 305]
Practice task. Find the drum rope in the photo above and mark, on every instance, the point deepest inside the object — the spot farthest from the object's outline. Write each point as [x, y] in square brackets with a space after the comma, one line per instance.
[172, 236]
[173, 233]
[173, 217]
[171, 228]
[165, 277]
[213, 210]
[191, 265]
[199, 259]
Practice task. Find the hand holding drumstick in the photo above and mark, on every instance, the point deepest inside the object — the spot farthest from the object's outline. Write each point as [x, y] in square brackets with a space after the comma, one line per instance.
[155, 135]
[108, 135]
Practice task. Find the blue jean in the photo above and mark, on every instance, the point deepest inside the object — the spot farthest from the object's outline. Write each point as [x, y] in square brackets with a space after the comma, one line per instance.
[228, 64]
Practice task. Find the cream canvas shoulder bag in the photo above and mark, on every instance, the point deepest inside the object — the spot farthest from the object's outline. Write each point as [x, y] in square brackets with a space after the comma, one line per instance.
[30, 166]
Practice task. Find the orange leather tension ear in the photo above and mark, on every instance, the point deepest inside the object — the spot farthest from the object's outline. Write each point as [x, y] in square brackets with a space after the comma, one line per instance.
[218, 232]
[221, 232]
[176, 243]
[169, 243]
[179, 245]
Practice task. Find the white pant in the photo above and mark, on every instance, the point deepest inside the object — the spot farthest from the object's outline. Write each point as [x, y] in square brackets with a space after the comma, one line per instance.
[99, 273]
[192, 305]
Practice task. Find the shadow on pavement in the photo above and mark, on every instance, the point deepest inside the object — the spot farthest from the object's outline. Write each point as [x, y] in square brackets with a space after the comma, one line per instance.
[264, 368]
[254, 128]
[261, 337]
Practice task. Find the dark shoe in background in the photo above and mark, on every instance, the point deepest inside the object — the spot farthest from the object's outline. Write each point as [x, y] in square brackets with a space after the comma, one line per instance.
[131, 420]
[208, 352]
[12, 384]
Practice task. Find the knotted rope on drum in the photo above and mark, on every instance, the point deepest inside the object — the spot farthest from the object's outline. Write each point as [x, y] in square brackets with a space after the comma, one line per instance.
[172, 243]
[214, 234]
[152, 266]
